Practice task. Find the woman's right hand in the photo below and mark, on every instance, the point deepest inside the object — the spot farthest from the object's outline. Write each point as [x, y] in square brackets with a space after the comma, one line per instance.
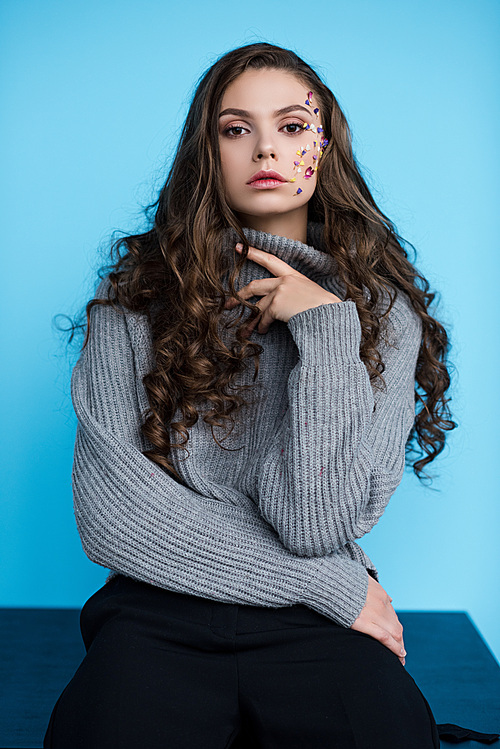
[379, 620]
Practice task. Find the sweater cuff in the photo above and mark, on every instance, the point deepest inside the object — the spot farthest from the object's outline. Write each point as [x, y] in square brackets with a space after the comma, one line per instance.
[337, 588]
[326, 333]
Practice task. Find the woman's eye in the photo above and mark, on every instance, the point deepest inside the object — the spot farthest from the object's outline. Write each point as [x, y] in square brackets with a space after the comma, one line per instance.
[233, 127]
[294, 124]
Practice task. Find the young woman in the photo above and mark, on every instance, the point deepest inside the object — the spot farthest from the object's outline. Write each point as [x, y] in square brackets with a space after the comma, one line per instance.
[239, 610]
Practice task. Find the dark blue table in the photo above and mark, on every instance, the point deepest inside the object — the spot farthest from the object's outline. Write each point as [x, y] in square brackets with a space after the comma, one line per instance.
[40, 650]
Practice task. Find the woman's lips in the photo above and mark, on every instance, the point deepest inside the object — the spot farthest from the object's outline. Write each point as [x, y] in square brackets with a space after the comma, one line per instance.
[265, 184]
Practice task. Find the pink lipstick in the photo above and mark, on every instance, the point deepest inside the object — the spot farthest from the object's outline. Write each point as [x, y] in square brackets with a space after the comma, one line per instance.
[265, 179]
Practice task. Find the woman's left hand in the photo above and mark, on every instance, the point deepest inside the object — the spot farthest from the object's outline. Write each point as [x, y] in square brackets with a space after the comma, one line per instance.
[285, 295]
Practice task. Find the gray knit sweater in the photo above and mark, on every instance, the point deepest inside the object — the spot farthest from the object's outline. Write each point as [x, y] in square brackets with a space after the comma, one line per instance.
[273, 523]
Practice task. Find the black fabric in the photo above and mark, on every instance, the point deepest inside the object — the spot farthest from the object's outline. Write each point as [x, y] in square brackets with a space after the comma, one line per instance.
[168, 669]
[456, 734]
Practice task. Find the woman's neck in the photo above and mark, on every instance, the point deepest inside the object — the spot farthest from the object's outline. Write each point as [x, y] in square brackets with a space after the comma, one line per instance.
[292, 225]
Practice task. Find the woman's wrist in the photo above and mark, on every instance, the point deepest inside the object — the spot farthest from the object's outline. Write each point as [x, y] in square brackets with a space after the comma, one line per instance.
[337, 588]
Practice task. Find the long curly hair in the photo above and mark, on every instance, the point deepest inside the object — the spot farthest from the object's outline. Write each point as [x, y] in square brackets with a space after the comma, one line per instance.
[172, 273]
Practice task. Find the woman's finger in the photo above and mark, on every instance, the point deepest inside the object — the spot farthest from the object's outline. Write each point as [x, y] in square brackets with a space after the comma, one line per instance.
[380, 634]
[273, 263]
[395, 628]
[257, 287]
[379, 620]
[263, 320]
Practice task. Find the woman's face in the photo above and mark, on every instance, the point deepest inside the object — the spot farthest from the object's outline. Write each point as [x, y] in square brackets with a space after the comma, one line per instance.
[268, 133]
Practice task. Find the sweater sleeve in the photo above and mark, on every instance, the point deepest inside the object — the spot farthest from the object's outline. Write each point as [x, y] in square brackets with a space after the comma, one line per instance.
[339, 454]
[134, 518]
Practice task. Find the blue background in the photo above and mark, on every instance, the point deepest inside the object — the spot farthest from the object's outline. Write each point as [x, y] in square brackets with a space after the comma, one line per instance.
[94, 96]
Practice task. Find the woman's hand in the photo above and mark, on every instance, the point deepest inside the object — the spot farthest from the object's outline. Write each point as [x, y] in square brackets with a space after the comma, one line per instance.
[285, 295]
[378, 619]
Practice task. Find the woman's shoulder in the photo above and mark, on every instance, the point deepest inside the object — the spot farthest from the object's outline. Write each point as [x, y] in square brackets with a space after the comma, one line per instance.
[135, 324]
[102, 289]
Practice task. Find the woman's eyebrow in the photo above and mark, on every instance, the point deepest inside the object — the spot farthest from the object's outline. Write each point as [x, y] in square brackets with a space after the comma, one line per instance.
[278, 113]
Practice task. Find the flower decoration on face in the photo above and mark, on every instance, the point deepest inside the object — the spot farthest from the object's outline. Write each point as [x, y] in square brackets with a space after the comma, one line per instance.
[319, 145]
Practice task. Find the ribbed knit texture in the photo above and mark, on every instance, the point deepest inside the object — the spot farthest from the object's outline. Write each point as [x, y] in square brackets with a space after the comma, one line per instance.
[273, 521]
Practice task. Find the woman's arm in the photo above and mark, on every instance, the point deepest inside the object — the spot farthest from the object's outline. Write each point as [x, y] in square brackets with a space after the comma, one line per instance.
[134, 518]
[329, 474]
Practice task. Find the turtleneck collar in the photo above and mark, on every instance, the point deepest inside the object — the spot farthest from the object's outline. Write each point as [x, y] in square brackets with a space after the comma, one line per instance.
[311, 259]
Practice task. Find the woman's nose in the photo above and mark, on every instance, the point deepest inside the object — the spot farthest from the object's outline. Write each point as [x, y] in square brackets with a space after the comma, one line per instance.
[265, 148]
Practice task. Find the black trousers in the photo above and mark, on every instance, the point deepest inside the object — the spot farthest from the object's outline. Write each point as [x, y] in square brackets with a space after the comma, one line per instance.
[165, 670]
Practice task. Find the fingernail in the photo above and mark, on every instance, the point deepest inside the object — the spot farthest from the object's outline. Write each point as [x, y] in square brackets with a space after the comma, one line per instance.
[239, 246]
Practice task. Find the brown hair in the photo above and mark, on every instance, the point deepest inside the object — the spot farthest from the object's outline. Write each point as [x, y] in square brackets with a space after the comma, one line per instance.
[173, 271]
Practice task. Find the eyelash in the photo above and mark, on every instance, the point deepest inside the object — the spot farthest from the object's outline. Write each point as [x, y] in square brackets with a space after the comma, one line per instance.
[241, 127]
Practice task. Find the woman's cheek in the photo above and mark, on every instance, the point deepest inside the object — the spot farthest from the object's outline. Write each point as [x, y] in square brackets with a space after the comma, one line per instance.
[305, 161]
[306, 158]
